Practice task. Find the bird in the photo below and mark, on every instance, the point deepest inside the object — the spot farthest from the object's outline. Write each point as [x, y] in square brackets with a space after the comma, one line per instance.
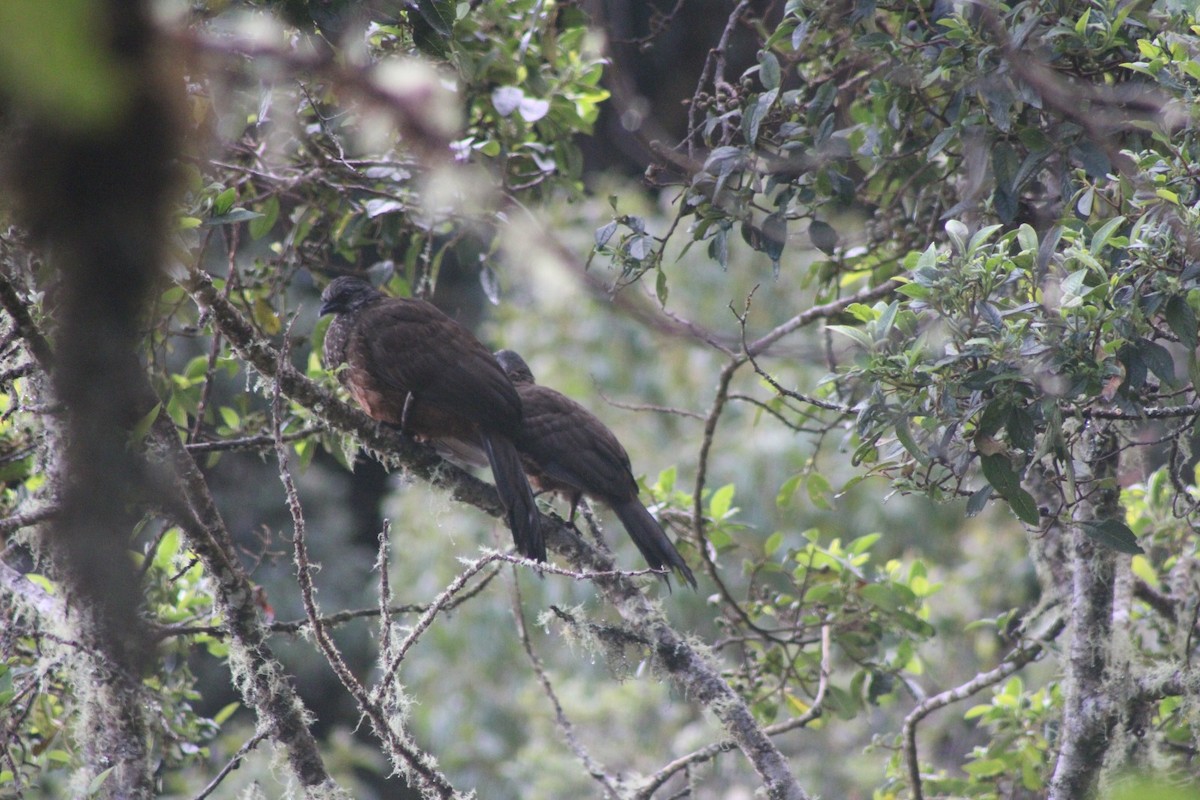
[409, 365]
[568, 450]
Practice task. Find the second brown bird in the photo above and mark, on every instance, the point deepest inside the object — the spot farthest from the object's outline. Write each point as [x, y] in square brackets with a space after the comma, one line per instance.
[567, 449]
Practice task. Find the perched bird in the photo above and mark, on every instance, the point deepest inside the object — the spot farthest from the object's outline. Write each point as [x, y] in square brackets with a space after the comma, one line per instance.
[410, 365]
[568, 449]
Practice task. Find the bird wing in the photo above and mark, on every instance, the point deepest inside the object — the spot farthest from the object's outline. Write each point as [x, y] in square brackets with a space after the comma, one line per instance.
[572, 446]
[409, 346]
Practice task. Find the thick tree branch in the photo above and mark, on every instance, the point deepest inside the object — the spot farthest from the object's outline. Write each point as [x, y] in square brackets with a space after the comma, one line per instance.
[1090, 695]
[258, 676]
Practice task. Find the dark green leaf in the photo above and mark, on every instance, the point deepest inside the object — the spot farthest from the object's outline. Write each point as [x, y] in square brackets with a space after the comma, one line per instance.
[1113, 534]
[978, 500]
[997, 468]
[754, 115]
[904, 434]
[1022, 432]
[1182, 320]
[1158, 359]
[718, 247]
[1024, 506]
[823, 236]
[1135, 366]
[233, 217]
[774, 236]
[438, 13]
[993, 417]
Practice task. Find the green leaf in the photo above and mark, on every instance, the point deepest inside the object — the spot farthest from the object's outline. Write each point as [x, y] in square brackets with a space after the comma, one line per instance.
[233, 217]
[772, 543]
[721, 502]
[818, 489]
[97, 783]
[986, 769]
[1158, 359]
[769, 71]
[904, 434]
[661, 290]
[999, 473]
[142, 426]
[224, 201]
[229, 417]
[1113, 534]
[881, 596]
[784, 496]
[1101, 237]
[438, 13]
[823, 236]
[1182, 320]
[978, 500]
[262, 225]
[226, 712]
[857, 334]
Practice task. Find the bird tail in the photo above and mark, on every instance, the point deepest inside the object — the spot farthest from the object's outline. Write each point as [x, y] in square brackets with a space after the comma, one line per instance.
[515, 495]
[648, 535]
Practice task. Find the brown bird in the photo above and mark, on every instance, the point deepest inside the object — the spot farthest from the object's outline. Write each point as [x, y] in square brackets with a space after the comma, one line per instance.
[410, 365]
[568, 449]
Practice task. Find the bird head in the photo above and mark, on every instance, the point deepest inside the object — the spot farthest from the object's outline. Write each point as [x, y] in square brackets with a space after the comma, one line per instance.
[346, 294]
[514, 366]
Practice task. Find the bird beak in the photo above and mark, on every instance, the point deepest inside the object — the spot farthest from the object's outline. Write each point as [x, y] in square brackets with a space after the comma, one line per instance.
[326, 308]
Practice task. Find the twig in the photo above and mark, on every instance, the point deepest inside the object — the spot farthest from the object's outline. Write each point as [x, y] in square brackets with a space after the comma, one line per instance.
[714, 67]
[594, 769]
[18, 521]
[242, 752]
[438, 605]
[1015, 661]
[260, 442]
[385, 590]
[405, 755]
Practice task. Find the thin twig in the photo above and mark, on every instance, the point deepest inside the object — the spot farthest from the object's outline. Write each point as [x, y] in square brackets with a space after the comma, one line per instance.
[385, 589]
[568, 730]
[405, 755]
[260, 442]
[233, 764]
[1015, 661]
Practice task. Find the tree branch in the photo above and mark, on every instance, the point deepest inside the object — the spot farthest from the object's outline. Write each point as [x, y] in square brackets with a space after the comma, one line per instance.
[1090, 691]
[1012, 663]
[258, 676]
